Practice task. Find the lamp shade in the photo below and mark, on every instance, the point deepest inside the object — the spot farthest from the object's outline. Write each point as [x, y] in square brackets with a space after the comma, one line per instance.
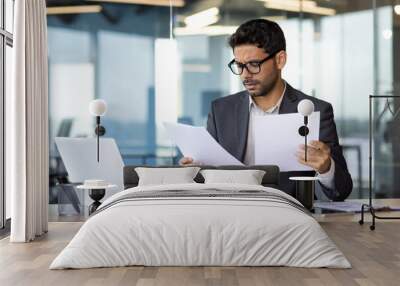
[98, 107]
[305, 107]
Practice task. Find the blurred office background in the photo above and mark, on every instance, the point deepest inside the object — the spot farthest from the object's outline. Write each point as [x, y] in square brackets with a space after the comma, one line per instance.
[153, 62]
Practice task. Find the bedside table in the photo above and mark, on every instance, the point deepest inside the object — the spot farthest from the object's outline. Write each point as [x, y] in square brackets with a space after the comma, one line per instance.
[96, 193]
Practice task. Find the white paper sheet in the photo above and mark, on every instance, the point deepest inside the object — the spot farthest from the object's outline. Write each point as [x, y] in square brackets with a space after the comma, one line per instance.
[277, 139]
[197, 143]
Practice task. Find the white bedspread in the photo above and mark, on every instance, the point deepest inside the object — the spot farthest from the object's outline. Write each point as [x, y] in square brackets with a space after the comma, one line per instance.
[200, 231]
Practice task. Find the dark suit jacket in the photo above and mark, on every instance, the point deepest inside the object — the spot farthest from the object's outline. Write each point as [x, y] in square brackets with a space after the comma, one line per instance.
[228, 123]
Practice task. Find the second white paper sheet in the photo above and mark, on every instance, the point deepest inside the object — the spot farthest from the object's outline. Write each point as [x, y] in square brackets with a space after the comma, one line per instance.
[197, 143]
[277, 139]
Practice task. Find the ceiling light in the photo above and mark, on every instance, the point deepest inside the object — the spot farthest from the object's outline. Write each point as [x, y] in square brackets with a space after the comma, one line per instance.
[397, 9]
[175, 3]
[203, 18]
[74, 9]
[306, 6]
[215, 30]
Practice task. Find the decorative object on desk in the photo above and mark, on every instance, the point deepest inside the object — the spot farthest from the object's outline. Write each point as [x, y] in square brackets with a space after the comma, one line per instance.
[370, 206]
[98, 108]
[305, 108]
[305, 189]
[97, 190]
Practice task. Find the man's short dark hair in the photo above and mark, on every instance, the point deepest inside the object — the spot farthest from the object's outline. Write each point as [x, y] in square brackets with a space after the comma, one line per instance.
[262, 33]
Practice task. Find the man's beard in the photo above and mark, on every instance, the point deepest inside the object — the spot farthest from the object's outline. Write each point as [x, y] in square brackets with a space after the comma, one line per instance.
[265, 88]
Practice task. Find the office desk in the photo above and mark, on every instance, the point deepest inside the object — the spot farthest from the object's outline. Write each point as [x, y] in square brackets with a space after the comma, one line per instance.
[355, 217]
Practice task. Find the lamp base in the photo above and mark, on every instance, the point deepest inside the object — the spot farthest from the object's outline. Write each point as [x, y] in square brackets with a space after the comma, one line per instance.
[96, 195]
[305, 189]
[305, 193]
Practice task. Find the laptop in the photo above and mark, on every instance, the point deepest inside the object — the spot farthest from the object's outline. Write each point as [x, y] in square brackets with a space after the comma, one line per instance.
[79, 156]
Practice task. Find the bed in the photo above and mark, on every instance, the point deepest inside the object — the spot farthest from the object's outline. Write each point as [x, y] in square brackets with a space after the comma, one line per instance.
[197, 224]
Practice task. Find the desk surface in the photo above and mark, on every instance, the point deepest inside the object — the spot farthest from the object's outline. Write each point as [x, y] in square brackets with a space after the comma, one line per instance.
[342, 217]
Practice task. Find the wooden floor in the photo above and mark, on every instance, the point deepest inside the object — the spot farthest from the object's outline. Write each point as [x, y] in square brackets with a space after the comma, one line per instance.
[374, 255]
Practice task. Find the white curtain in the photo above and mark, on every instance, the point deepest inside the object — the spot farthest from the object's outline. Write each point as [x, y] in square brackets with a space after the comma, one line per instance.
[28, 121]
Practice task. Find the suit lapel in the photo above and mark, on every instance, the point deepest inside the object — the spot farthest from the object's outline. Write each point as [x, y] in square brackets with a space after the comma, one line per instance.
[289, 101]
[242, 110]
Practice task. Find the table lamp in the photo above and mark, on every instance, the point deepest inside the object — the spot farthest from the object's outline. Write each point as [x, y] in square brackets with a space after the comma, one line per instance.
[305, 108]
[98, 108]
[305, 186]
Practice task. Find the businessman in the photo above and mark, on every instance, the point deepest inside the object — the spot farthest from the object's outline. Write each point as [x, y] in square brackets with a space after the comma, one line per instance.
[259, 49]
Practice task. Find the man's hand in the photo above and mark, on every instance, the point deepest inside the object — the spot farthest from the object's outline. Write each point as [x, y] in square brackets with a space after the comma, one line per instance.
[318, 156]
[186, 161]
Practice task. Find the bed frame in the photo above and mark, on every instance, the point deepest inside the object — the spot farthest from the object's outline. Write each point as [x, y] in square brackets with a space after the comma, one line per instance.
[270, 179]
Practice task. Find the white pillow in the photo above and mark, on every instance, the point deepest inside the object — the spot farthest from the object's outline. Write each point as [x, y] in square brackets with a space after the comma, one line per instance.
[165, 176]
[248, 177]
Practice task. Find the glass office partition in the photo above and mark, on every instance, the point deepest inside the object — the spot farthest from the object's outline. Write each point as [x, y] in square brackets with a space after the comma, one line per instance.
[338, 51]
[384, 146]
[108, 54]
[330, 56]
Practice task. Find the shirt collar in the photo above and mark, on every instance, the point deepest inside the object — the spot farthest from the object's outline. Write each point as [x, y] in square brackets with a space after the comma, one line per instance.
[273, 108]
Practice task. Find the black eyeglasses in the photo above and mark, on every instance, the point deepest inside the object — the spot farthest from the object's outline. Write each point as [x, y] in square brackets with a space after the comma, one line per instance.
[253, 67]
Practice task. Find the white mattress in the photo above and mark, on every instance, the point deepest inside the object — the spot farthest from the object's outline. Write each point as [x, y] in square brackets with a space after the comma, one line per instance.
[200, 231]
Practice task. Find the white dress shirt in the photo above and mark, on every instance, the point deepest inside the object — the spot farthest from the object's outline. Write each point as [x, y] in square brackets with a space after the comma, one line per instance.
[327, 179]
